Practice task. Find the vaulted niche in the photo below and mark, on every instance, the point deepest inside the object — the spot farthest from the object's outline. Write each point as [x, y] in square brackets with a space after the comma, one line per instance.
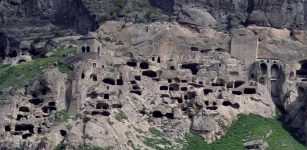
[192, 66]
[144, 65]
[109, 81]
[157, 114]
[249, 91]
[174, 87]
[303, 70]
[207, 91]
[264, 69]
[218, 82]
[149, 73]
[131, 64]
[238, 83]
[274, 71]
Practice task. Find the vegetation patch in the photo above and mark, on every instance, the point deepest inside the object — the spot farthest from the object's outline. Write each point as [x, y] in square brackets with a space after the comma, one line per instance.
[155, 131]
[249, 127]
[16, 75]
[120, 116]
[61, 116]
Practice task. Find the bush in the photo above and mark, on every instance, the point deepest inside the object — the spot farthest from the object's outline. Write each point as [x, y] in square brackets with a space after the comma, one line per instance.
[16, 75]
[61, 116]
[249, 127]
[120, 116]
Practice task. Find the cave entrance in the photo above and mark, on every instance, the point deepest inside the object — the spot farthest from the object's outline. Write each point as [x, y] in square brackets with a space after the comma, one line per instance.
[144, 65]
[102, 106]
[13, 53]
[207, 91]
[109, 81]
[149, 73]
[174, 87]
[249, 91]
[264, 69]
[83, 49]
[163, 88]
[192, 66]
[219, 82]
[94, 77]
[157, 114]
[303, 71]
[274, 71]
[24, 127]
[131, 64]
[88, 49]
[238, 83]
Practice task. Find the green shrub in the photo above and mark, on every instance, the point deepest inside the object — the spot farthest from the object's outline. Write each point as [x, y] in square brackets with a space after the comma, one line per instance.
[61, 116]
[120, 116]
[60, 146]
[155, 131]
[16, 75]
[249, 127]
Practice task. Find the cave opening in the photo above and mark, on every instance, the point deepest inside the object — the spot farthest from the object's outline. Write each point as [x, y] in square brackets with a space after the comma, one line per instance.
[144, 65]
[25, 136]
[163, 88]
[138, 78]
[7, 128]
[174, 87]
[303, 70]
[120, 82]
[194, 49]
[82, 75]
[157, 114]
[226, 103]
[219, 82]
[94, 77]
[274, 71]
[192, 66]
[184, 88]
[149, 73]
[235, 106]
[88, 49]
[249, 91]
[131, 64]
[109, 81]
[24, 127]
[105, 113]
[13, 54]
[102, 106]
[63, 132]
[236, 92]
[36, 101]
[106, 96]
[24, 109]
[238, 83]
[264, 69]
[136, 92]
[118, 106]
[207, 91]
[169, 115]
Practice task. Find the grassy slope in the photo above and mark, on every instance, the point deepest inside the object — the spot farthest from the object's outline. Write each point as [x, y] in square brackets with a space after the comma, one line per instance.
[249, 127]
[15, 75]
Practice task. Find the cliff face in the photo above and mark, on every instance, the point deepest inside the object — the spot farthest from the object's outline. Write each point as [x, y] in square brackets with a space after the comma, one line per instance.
[33, 19]
[270, 13]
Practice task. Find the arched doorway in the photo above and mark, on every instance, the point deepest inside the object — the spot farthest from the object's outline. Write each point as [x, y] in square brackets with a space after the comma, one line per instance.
[274, 71]
[264, 69]
[303, 71]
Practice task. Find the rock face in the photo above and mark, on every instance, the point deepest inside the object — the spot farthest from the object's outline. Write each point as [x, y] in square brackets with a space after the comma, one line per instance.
[38, 20]
[229, 14]
[139, 82]
[135, 85]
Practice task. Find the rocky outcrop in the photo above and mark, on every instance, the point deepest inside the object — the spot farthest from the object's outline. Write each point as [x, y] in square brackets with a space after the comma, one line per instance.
[38, 20]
